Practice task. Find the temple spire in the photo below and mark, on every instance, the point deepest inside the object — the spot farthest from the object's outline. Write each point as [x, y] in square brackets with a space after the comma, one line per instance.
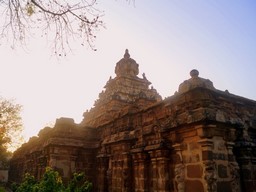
[126, 54]
[127, 66]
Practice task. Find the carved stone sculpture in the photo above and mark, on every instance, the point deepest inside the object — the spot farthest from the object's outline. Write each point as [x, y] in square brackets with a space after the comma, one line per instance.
[179, 172]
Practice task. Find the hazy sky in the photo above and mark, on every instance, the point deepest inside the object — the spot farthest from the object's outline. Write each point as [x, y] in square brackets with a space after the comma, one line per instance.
[167, 38]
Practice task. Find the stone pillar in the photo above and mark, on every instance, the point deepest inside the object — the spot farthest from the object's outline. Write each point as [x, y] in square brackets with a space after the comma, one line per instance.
[210, 167]
[126, 173]
[109, 173]
[245, 151]
[179, 170]
[160, 170]
[233, 169]
[247, 166]
[72, 168]
[140, 172]
[153, 174]
[117, 173]
[102, 182]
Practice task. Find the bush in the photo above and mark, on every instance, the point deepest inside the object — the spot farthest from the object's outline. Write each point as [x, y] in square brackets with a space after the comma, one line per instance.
[79, 184]
[2, 189]
[52, 182]
[27, 184]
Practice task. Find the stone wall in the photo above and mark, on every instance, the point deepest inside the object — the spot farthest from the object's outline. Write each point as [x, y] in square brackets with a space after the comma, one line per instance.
[184, 143]
[3, 176]
[66, 148]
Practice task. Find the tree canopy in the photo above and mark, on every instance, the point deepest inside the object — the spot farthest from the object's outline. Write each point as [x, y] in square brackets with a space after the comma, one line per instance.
[60, 21]
[10, 128]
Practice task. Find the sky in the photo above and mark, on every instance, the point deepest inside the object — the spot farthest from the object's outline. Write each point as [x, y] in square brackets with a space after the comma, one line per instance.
[167, 38]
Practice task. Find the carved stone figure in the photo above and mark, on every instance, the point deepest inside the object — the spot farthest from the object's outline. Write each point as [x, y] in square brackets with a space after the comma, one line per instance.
[179, 172]
[210, 176]
[235, 176]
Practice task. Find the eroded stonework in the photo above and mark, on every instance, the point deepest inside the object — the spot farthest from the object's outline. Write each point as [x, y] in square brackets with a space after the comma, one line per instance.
[199, 140]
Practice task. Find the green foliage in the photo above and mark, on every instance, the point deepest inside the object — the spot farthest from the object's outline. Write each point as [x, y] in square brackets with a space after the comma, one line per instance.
[79, 184]
[52, 182]
[14, 186]
[28, 184]
[2, 189]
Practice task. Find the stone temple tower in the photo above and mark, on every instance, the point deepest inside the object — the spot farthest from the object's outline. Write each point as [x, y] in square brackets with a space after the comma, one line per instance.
[123, 94]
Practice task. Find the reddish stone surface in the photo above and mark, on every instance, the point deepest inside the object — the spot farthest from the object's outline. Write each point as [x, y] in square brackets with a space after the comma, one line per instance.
[194, 171]
[194, 186]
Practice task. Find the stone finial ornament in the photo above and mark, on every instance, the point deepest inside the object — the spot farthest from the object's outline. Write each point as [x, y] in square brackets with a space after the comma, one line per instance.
[127, 66]
[194, 73]
[195, 81]
[126, 54]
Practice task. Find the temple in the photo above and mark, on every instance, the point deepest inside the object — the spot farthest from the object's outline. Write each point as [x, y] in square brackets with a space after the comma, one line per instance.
[200, 139]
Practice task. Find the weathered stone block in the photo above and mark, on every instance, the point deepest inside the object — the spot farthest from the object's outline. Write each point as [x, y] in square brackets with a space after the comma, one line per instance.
[222, 171]
[194, 186]
[207, 155]
[246, 174]
[176, 159]
[224, 186]
[231, 158]
[194, 171]
[184, 146]
[193, 146]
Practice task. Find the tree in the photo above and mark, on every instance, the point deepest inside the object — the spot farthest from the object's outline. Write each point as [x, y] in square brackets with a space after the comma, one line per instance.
[58, 20]
[10, 128]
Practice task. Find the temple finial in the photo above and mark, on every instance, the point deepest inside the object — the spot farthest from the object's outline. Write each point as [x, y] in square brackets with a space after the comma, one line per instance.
[126, 55]
[194, 73]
